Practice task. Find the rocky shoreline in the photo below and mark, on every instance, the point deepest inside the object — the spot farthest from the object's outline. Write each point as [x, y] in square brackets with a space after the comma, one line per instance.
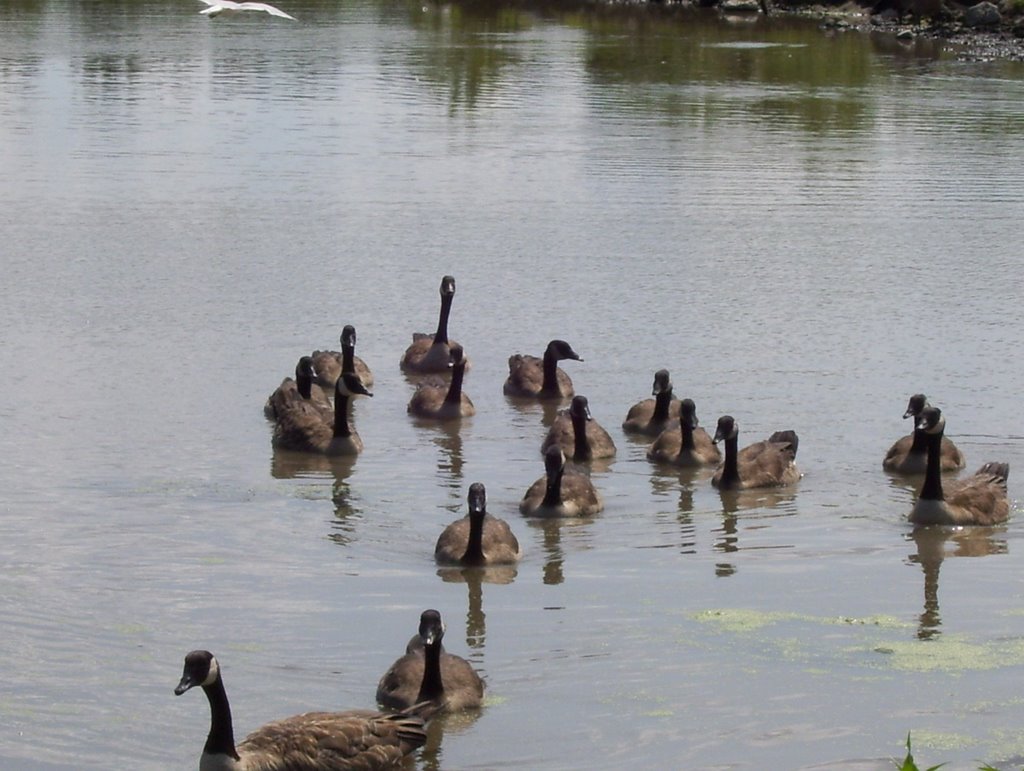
[981, 32]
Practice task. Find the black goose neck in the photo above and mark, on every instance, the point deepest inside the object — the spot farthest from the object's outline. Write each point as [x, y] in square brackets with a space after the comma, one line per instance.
[687, 435]
[553, 490]
[432, 688]
[221, 739]
[474, 554]
[341, 425]
[932, 488]
[661, 404]
[304, 384]
[348, 358]
[731, 470]
[581, 444]
[919, 443]
[455, 389]
[550, 384]
[441, 336]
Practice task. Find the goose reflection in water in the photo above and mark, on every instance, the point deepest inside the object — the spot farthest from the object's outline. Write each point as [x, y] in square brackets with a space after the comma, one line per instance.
[475, 578]
[448, 440]
[750, 501]
[934, 544]
[668, 482]
[554, 552]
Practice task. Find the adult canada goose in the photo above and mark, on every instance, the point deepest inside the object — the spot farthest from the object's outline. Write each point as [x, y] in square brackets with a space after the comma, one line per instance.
[430, 674]
[688, 446]
[770, 463]
[561, 492]
[478, 539]
[439, 400]
[578, 434]
[302, 387]
[302, 428]
[429, 353]
[652, 416]
[536, 378]
[330, 364]
[909, 455]
[977, 500]
[313, 741]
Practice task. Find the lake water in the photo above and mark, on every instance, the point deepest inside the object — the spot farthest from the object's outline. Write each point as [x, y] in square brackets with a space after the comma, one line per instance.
[804, 228]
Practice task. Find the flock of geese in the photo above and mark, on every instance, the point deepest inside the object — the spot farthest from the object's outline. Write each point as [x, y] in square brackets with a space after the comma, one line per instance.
[428, 680]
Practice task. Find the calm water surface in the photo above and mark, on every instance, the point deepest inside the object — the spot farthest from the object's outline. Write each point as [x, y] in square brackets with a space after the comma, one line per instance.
[804, 229]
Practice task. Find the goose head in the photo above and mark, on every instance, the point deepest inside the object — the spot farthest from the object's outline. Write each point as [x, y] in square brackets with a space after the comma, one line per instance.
[662, 383]
[580, 408]
[456, 355]
[348, 336]
[559, 349]
[201, 668]
[916, 404]
[431, 627]
[448, 286]
[931, 421]
[688, 414]
[554, 460]
[477, 499]
[727, 429]
[305, 368]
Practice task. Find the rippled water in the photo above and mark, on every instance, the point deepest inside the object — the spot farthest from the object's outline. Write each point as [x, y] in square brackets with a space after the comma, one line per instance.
[804, 229]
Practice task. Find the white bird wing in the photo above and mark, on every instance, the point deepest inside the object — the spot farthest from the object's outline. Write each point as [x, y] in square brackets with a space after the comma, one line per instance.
[265, 7]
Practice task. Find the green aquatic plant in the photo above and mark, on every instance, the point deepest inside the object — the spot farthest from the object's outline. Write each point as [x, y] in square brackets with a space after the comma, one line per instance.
[908, 763]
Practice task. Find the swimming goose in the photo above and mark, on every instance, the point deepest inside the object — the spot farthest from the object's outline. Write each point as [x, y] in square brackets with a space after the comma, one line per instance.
[431, 674]
[478, 539]
[652, 416]
[330, 364]
[302, 387]
[218, 7]
[770, 463]
[578, 434]
[301, 427]
[443, 401]
[689, 446]
[313, 741]
[909, 454]
[561, 492]
[536, 378]
[977, 500]
[430, 353]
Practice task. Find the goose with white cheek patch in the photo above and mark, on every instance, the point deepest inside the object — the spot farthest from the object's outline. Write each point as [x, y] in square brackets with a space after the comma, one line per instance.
[430, 353]
[689, 446]
[303, 429]
[429, 674]
[980, 499]
[535, 378]
[909, 455]
[580, 436]
[652, 416]
[313, 741]
[770, 463]
[330, 364]
[562, 491]
[478, 539]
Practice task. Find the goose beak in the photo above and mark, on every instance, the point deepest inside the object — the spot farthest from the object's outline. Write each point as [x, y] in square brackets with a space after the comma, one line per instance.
[184, 685]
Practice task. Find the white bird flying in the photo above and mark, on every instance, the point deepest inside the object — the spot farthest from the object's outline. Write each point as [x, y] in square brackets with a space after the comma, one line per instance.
[221, 6]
